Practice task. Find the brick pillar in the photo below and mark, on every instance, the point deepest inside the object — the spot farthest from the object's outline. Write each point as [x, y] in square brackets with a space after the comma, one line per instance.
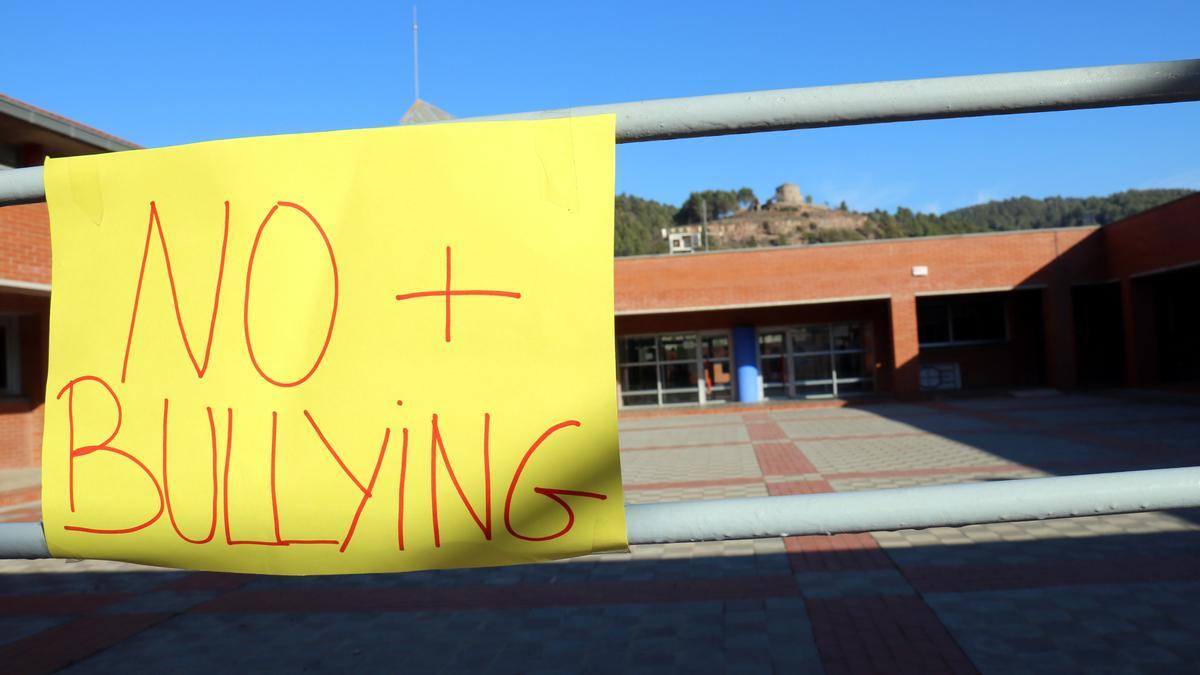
[1061, 365]
[906, 373]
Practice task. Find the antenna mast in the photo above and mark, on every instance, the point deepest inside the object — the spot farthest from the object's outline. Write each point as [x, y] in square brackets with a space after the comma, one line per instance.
[416, 68]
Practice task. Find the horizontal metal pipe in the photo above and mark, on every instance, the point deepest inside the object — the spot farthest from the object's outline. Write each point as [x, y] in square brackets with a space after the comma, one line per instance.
[846, 104]
[895, 101]
[863, 511]
[21, 186]
[23, 540]
[920, 507]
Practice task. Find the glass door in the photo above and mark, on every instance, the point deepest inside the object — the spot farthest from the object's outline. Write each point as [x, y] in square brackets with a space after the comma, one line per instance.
[638, 370]
[679, 369]
[812, 364]
[773, 364]
[718, 368]
[848, 346]
[814, 361]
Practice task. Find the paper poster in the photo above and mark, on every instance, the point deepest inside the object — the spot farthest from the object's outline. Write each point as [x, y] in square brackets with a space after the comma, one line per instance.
[360, 351]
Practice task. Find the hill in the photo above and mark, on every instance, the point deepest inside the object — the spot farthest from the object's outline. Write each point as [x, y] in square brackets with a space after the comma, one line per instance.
[639, 222]
[1019, 213]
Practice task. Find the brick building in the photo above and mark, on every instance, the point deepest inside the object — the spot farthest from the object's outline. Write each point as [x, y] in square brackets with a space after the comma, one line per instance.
[27, 136]
[1089, 306]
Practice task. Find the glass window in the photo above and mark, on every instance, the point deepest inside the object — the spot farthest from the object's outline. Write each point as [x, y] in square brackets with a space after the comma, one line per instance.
[4, 336]
[814, 390]
[978, 320]
[10, 371]
[964, 319]
[682, 397]
[679, 367]
[771, 343]
[715, 346]
[678, 375]
[638, 350]
[719, 394]
[639, 399]
[848, 365]
[775, 391]
[638, 378]
[815, 361]
[717, 374]
[857, 387]
[933, 321]
[811, 338]
[847, 336]
[811, 368]
[774, 369]
[678, 347]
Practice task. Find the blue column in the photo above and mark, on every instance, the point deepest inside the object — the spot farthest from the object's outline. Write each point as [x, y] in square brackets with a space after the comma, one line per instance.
[745, 360]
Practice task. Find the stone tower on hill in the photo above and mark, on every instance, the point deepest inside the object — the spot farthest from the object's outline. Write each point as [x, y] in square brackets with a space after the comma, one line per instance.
[788, 194]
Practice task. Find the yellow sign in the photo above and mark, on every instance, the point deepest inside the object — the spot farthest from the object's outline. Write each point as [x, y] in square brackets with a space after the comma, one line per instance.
[361, 351]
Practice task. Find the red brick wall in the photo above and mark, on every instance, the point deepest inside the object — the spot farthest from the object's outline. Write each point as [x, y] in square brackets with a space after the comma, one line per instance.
[25, 256]
[878, 268]
[1156, 240]
[1161, 238]
[1050, 259]
[25, 243]
[21, 415]
[1016, 362]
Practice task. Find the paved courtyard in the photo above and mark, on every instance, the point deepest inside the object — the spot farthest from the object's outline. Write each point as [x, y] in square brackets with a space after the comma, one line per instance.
[1110, 594]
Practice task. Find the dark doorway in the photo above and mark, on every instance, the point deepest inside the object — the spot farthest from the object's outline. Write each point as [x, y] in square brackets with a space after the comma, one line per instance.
[1177, 314]
[1099, 334]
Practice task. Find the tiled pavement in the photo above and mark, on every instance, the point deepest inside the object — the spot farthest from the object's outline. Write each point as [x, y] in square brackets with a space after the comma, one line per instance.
[1102, 594]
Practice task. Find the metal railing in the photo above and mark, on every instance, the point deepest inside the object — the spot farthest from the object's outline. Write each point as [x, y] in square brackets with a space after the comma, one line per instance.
[783, 109]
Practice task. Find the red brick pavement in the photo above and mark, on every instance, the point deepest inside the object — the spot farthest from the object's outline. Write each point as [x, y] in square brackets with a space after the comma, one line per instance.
[44, 604]
[447, 598]
[883, 634]
[31, 514]
[60, 646]
[1126, 569]
[717, 482]
[685, 446]
[20, 496]
[777, 455]
[828, 553]
[677, 427]
[873, 633]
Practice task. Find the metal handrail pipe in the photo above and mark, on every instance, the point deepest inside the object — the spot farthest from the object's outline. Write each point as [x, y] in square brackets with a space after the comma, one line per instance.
[861, 511]
[842, 105]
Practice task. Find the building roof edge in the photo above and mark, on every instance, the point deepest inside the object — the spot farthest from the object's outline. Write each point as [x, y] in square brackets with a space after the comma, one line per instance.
[63, 126]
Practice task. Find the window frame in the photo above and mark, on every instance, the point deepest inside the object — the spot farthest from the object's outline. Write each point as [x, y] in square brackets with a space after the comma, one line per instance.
[12, 356]
[698, 361]
[791, 386]
[950, 303]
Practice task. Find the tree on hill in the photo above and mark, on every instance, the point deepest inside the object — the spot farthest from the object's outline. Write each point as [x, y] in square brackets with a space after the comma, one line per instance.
[720, 203]
[1021, 213]
[638, 225]
[747, 199]
[1018, 213]
[639, 222]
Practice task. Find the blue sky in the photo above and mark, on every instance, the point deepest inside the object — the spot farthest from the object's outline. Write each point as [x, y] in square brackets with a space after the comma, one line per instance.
[164, 73]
